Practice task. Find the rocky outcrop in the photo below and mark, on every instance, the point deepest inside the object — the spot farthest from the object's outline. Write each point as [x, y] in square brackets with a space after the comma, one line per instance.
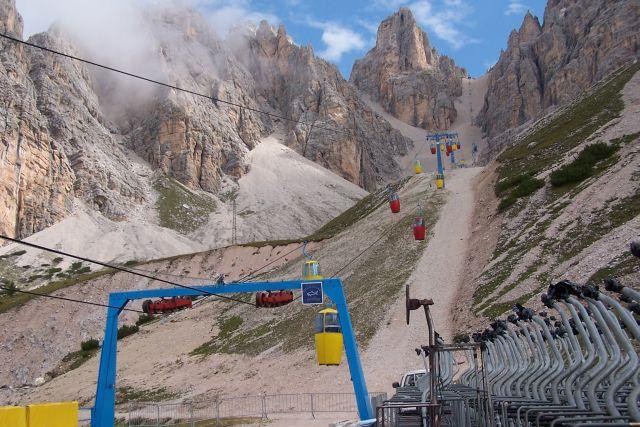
[72, 131]
[407, 76]
[343, 134]
[550, 64]
[191, 138]
[36, 179]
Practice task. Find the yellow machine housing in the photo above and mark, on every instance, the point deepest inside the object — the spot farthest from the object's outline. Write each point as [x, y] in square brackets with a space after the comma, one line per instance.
[311, 270]
[62, 414]
[15, 416]
[328, 337]
[439, 183]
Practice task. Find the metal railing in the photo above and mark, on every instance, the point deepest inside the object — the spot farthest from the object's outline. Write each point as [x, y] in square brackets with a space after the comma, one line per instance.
[140, 414]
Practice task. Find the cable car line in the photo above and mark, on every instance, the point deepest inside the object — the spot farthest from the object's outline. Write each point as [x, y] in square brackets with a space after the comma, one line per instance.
[5, 288]
[253, 273]
[359, 254]
[115, 267]
[170, 86]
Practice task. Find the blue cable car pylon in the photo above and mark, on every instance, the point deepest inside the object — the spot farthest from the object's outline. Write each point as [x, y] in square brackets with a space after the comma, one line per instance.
[103, 413]
[441, 141]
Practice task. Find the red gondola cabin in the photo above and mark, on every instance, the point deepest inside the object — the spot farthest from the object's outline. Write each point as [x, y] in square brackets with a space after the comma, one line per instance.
[433, 148]
[394, 202]
[419, 229]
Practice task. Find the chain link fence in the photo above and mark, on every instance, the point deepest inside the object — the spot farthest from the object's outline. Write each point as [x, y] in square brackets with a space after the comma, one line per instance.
[225, 410]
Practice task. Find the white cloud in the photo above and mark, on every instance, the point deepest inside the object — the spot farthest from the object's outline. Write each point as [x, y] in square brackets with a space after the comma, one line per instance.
[515, 7]
[225, 17]
[84, 14]
[338, 40]
[389, 4]
[370, 26]
[445, 21]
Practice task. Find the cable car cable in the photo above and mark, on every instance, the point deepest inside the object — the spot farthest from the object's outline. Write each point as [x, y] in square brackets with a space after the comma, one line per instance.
[253, 273]
[170, 86]
[67, 299]
[115, 267]
[360, 254]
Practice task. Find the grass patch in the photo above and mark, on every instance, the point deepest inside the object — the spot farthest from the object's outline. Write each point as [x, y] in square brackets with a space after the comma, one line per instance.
[583, 166]
[247, 342]
[496, 310]
[90, 344]
[126, 330]
[522, 186]
[129, 394]
[620, 266]
[18, 299]
[179, 208]
[144, 318]
[612, 216]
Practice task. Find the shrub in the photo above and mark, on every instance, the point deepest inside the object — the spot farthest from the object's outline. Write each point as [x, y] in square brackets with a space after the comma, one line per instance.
[505, 184]
[57, 260]
[76, 265]
[126, 330]
[84, 270]
[10, 287]
[144, 318]
[130, 263]
[17, 253]
[582, 167]
[54, 270]
[90, 344]
[526, 186]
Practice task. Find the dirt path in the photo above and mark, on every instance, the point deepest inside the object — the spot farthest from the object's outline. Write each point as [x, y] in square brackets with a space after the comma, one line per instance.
[438, 276]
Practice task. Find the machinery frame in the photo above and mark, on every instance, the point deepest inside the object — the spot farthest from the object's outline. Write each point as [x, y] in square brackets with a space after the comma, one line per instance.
[103, 412]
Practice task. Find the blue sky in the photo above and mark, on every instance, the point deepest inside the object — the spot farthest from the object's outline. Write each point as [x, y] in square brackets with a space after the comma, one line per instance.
[472, 32]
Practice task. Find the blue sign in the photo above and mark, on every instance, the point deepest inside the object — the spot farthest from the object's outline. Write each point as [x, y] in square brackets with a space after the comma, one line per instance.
[312, 293]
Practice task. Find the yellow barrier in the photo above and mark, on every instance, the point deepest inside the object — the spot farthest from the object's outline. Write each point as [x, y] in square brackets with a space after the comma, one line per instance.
[63, 414]
[13, 416]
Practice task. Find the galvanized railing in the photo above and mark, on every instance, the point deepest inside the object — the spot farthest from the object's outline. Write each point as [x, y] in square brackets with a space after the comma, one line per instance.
[228, 408]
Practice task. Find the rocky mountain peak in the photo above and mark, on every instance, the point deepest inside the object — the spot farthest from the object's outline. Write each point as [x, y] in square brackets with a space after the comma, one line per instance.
[400, 33]
[407, 76]
[543, 66]
[530, 28]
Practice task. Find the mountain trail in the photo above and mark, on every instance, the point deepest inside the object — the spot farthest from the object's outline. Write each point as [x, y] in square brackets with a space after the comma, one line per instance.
[438, 275]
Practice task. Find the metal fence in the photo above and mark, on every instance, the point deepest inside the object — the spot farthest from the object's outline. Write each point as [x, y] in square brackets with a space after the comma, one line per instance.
[217, 412]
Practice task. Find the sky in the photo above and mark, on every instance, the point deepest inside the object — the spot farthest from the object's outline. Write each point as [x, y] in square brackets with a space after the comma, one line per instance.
[472, 32]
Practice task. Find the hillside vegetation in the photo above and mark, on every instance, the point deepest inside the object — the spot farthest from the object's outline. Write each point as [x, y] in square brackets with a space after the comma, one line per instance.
[569, 193]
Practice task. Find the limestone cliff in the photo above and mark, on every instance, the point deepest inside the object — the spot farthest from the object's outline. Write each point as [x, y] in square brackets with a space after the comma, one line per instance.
[72, 131]
[347, 137]
[546, 65]
[36, 179]
[407, 76]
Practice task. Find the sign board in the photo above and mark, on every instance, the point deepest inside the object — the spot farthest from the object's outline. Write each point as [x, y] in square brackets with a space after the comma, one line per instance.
[312, 293]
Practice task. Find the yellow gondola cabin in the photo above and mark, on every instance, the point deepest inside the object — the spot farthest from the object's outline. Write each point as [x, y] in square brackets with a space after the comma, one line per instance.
[328, 337]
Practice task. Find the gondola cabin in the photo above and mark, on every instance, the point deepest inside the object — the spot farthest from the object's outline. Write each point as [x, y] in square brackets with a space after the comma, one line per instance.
[439, 183]
[419, 228]
[433, 148]
[328, 337]
[417, 167]
[311, 270]
[454, 147]
[394, 202]
[449, 149]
